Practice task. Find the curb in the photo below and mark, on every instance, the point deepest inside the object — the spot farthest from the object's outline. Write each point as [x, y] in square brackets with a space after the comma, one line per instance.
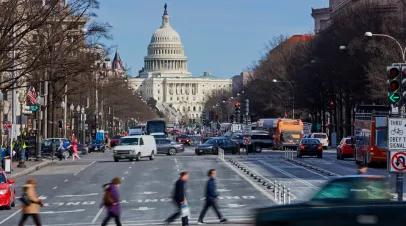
[30, 170]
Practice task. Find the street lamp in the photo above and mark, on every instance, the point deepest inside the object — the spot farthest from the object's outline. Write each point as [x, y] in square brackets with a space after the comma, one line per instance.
[64, 107]
[402, 50]
[293, 95]
[21, 163]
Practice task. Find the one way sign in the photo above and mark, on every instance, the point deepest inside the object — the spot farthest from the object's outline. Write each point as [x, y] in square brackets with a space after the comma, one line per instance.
[397, 162]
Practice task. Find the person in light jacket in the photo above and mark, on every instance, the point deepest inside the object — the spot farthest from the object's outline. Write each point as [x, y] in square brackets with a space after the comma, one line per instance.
[211, 198]
[113, 210]
[179, 197]
[31, 210]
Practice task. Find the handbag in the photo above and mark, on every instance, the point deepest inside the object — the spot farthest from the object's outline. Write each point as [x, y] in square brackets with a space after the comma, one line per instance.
[24, 199]
[185, 211]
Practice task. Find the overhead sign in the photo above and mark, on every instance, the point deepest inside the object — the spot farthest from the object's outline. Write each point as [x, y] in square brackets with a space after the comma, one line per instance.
[247, 140]
[397, 161]
[235, 127]
[397, 133]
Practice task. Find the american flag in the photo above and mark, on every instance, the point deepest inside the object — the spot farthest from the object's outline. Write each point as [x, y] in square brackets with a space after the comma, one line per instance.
[32, 96]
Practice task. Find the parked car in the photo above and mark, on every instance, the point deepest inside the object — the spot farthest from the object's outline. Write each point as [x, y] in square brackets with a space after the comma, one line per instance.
[135, 147]
[345, 149]
[322, 137]
[169, 147]
[349, 200]
[7, 191]
[114, 140]
[310, 146]
[46, 149]
[259, 139]
[96, 145]
[185, 139]
[212, 146]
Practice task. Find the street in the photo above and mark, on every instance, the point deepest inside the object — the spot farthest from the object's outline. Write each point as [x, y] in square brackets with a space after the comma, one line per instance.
[73, 191]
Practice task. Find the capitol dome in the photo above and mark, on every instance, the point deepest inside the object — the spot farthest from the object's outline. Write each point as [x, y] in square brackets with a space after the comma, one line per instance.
[166, 55]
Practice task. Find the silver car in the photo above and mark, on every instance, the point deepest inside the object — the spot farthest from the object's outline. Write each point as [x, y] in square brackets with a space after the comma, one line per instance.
[169, 147]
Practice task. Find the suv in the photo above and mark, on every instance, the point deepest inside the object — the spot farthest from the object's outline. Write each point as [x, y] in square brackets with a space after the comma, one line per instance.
[259, 139]
[322, 137]
[46, 149]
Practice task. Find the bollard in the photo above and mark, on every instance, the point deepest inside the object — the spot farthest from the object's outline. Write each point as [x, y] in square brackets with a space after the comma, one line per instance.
[275, 190]
[279, 193]
[265, 184]
[284, 195]
[288, 195]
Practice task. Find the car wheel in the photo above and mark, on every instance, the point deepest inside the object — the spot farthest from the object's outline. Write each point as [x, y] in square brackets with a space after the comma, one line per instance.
[66, 154]
[13, 204]
[8, 207]
[138, 157]
[258, 148]
[215, 151]
[172, 151]
[115, 159]
[152, 156]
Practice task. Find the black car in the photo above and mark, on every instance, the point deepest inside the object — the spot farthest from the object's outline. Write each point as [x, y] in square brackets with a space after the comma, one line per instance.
[212, 146]
[96, 145]
[310, 146]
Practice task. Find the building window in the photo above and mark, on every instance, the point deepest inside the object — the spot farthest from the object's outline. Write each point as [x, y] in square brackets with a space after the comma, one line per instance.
[194, 108]
[200, 108]
[171, 98]
[188, 108]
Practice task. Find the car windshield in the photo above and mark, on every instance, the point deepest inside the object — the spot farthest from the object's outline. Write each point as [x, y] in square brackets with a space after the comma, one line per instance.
[347, 141]
[2, 179]
[96, 142]
[310, 141]
[211, 141]
[320, 136]
[128, 141]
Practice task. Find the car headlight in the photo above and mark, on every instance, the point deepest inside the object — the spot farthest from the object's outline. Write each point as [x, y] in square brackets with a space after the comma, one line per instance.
[133, 151]
[115, 152]
[2, 192]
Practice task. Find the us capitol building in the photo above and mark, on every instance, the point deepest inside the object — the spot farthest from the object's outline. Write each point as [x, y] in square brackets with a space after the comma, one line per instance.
[166, 79]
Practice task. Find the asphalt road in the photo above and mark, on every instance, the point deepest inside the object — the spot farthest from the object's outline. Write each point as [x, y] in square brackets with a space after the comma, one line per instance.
[72, 191]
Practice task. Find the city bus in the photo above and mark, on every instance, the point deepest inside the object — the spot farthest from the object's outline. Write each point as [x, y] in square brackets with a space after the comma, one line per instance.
[371, 134]
[155, 126]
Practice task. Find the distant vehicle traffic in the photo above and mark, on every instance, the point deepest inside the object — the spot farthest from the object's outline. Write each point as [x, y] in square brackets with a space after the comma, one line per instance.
[169, 147]
[345, 149]
[135, 147]
[115, 140]
[185, 139]
[158, 135]
[136, 130]
[155, 126]
[212, 146]
[96, 145]
[322, 137]
[310, 147]
[350, 200]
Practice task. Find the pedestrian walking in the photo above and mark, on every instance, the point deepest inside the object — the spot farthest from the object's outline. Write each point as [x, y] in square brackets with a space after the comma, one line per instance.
[53, 149]
[211, 198]
[179, 197]
[112, 201]
[362, 169]
[75, 150]
[31, 203]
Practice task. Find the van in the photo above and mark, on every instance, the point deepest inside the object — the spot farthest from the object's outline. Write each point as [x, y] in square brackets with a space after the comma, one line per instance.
[322, 137]
[135, 148]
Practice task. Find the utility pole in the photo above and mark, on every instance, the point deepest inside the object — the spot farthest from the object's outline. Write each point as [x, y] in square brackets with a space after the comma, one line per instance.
[14, 94]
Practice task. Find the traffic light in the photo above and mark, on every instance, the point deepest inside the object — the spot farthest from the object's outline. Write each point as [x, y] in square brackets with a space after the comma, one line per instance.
[331, 103]
[60, 124]
[403, 77]
[237, 112]
[394, 78]
[217, 116]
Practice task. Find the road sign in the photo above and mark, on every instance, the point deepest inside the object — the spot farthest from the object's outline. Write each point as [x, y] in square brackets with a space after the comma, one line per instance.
[34, 108]
[236, 127]
[397, 133]
[397, 161]
[247, 140]
[247, 129]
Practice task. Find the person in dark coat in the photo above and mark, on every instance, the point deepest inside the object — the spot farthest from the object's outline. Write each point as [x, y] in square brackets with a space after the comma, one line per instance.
[211, 198]
[113, 210]
[179, 197]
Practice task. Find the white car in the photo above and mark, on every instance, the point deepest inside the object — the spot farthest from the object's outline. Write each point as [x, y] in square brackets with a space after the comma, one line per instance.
[135, 147]
[322, 137]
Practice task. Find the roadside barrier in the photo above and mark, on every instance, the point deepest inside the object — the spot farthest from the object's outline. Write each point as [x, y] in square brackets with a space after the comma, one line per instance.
[221, 153]
[290, 153]
[281, 194]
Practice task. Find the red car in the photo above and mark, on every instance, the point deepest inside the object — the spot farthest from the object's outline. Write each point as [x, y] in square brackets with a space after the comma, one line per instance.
[114, 140]
[7, 191]
[184, 139]
[345, 149]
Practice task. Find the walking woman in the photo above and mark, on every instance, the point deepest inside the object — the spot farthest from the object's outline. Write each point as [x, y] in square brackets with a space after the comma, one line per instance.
[31, 207]
[112, 202]
[75, 150]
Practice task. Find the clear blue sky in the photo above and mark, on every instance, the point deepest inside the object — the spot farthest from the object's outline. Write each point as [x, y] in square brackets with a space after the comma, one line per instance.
[220, 36]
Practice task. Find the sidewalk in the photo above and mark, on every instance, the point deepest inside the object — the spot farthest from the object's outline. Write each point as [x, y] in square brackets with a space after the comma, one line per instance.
[31, 167]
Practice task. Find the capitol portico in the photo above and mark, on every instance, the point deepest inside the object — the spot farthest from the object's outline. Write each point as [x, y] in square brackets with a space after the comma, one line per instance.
[166, 79]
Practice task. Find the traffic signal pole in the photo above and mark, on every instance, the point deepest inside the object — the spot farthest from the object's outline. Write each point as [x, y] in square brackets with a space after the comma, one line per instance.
[247, 109]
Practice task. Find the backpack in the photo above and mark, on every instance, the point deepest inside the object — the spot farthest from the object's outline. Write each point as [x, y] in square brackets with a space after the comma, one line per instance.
[108, 198]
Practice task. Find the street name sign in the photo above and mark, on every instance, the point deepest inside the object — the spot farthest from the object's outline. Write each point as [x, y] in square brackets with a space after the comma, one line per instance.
[397, 134]
[397, 162]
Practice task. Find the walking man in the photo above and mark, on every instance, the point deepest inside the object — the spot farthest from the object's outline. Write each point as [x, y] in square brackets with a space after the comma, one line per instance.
[179, 197]
[112, 202]
[211, 198]
[31, 207]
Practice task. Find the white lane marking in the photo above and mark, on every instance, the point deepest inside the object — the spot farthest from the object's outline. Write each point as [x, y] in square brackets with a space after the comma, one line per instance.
[269, 196]
[87, 166]
[75, 174]
[177, 166]
[132, 163]
[178, 170]
[68, 196]
[129, 167]
[143, 208]
[271, 182]
[222, 190]
[66, 211]
[149, 192]
[66, 180]
[42, 197]
[11, 216]
[122, 178]
[55, 187]
[176, 161]
[234, 205]
[126, 172]
[302, 167]
[290, 175]
[97, 215]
